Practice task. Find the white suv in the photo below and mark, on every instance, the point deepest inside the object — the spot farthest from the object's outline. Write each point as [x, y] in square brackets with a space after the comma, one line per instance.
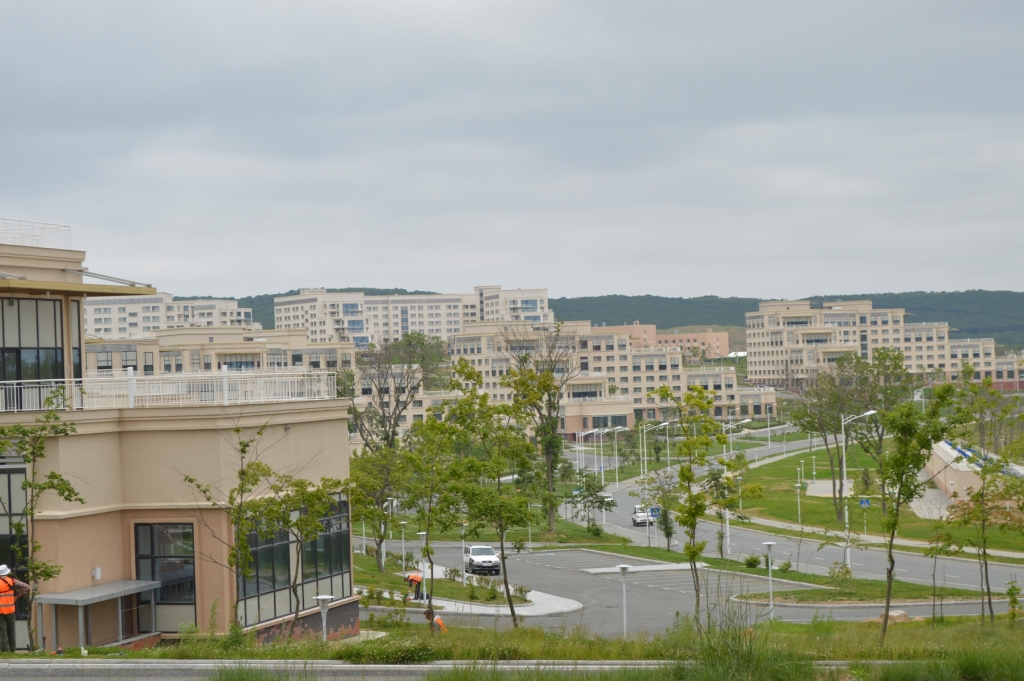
[481, 559]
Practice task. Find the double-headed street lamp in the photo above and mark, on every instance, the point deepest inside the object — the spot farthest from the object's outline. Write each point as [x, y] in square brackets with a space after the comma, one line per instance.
[615, 444]
[668, 446]
[846, 506]
[729, 427]
[644, 466]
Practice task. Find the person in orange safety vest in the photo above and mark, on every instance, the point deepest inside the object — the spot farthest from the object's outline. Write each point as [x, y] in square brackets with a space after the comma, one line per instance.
[10, 590]
[414, 581]
[436, 623]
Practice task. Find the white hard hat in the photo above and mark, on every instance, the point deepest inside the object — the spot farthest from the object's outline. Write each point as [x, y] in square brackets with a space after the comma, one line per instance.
[4, 570]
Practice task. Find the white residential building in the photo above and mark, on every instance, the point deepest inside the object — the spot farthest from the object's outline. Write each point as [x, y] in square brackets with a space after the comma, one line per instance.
[131, 317]
[366, 319]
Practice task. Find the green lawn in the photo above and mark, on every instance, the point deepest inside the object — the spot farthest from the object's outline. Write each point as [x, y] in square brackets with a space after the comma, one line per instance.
[777, 437]
[367, 575]
[779, 501]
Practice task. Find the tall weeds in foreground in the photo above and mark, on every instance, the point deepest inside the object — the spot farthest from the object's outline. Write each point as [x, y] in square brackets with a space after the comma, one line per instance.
[1004, 665]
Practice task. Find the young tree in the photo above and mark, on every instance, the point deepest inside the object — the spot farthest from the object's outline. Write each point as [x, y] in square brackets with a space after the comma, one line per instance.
[542, 362]
[433, 471]
[880, 385]
[378, 477]
[943, 544]
[698, 432]
[493, 488]
[297, 507]
[390, 375]
[589, 498]
[913, 435]
[830, 395]
[243, 505]
[28, 444]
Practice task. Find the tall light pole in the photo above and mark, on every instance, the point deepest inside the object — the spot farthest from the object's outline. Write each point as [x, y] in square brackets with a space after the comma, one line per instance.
[771, 593]
[423, 569]
[463, 554]
[623, 569]
[729, 427]
[799, 518]
[846, 506]
[739, 479]
[615, 446]
[668, 446]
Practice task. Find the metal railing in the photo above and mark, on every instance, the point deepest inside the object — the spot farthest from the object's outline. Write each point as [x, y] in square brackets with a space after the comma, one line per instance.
[181, 390]
[38, 234]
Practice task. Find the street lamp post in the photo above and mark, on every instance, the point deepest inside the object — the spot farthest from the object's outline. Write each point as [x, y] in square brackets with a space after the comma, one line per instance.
[799, 517]
[814, 469]
[324, 602]
[668, 447]
[739, 479]
[403, 524]
[729, 427]
[623, 569]
[771, 594]
[846, 506]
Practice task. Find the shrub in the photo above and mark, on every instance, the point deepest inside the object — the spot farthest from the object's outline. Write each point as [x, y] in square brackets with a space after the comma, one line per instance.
[752, 561]
[391, 650]
[520, 591]
[785, 567]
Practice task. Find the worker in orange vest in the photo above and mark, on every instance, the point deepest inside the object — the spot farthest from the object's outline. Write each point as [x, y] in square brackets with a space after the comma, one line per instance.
[414, 581]
[10, 590]
[436, 623]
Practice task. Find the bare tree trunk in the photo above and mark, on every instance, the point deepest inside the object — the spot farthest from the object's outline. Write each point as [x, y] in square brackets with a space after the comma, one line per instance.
[890, 574]
[381, 558]
[504, 577]
[295, 588]
[935, 566]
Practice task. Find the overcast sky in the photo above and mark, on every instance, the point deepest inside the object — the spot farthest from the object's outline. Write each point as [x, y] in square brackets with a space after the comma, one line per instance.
[772, 149]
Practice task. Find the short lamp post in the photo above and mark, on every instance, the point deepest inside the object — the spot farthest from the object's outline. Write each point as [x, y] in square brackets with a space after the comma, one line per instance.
[771, 595]
[423, 570]
[463, 555]
[324, 602]
[623, 570]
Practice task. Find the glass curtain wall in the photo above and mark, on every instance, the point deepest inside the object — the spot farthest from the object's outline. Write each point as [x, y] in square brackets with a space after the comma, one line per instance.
[32, 331]
[324, 568]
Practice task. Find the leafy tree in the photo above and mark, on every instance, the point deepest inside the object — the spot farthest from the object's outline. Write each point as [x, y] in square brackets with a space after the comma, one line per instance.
[698, 432]
[297, 507]
[588, 498]
[375, 476]
[880, 385]
[503, 451]
[243, 504]
[433, 474]
[28, 444]
[913, 435]
[543, 361]
[390, 375]
[830, 396]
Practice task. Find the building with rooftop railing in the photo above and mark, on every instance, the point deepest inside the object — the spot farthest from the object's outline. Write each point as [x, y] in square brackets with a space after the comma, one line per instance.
[113, 317]
[144, 555]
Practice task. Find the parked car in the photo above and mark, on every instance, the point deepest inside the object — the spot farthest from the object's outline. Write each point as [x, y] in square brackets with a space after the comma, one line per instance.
[641, 516]
[481, 560]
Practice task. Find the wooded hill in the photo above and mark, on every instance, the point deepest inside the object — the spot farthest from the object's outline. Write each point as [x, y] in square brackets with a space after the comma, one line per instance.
[996, 314]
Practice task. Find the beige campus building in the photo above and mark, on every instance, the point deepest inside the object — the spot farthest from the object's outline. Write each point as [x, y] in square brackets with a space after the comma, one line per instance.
[138, 316]
[696, 345]
[144, 554]
[790, 341]
[364, 319]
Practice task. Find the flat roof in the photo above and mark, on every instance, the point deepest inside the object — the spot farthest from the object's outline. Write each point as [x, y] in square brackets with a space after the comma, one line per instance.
[101, 592]
[88, 290]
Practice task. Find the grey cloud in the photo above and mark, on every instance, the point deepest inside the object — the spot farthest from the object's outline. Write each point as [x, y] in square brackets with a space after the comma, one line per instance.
[772, 149]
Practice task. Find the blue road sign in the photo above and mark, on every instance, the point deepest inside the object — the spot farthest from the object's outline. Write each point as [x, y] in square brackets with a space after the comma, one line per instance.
[865, 503]
[655, 511]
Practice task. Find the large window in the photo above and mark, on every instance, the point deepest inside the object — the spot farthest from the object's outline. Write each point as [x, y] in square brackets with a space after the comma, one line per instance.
[32, 336]
[165, 553]
[323, 568]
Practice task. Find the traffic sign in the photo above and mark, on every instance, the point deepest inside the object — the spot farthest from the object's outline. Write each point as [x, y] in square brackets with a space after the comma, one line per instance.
[865, 503]
[655, 512]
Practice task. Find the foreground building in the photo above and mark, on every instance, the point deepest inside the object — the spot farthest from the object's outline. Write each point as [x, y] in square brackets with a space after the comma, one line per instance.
[789, 341]
[144, 554]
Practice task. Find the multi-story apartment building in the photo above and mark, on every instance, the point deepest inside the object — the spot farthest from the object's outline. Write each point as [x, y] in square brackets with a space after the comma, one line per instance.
[612, 378]
[143, 554]
[789, 341]
[108, 317]
[698, 345]
[328, 316]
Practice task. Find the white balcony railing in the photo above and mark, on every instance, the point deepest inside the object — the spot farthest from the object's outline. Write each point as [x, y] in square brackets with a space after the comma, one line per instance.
[181, 390]
[39, 234]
